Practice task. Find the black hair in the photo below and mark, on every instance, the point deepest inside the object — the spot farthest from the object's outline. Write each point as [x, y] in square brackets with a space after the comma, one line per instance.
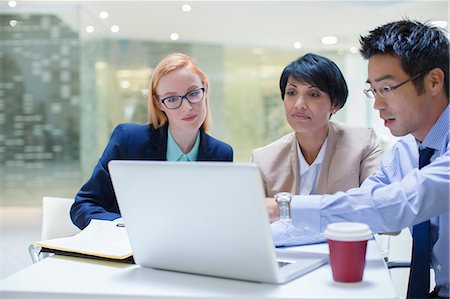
[318, 71]
[421, 47]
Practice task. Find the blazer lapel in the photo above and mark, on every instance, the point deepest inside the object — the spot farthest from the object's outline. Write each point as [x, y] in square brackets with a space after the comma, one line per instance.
[295, 167]
[322, 184]
[158, 143]
[204, 148]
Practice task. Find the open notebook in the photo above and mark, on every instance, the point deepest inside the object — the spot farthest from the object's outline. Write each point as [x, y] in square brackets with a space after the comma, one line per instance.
[206, 218]
[100, 239]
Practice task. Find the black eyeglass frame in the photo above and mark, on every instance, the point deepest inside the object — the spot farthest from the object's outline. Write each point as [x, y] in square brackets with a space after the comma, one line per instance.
[184, 97]
[371, 92]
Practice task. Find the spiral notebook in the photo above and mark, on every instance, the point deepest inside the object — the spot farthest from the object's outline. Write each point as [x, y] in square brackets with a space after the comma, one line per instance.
[101, 239]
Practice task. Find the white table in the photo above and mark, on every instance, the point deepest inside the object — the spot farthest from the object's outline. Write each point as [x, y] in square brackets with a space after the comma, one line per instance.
[68, 277]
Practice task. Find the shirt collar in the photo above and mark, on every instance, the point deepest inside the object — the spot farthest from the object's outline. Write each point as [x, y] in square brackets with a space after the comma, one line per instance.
[304, 166]
[440, 128]
[174, 153]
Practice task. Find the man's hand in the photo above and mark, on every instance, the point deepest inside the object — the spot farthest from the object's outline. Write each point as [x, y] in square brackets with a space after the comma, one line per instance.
[272, 209]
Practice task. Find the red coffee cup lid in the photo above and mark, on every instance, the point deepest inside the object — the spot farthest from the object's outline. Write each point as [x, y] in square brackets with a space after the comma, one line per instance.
[348, 231]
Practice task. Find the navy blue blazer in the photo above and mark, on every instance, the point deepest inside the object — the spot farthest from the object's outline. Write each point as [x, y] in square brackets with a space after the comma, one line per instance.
[96, 199]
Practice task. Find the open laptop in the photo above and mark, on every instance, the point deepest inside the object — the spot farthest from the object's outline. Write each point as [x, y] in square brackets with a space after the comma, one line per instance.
[205, 218]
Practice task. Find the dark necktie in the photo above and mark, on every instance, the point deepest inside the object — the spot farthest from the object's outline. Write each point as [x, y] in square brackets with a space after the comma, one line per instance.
[419, 276]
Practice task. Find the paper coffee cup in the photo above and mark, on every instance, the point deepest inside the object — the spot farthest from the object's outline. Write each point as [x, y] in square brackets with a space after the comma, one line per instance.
[347, 242]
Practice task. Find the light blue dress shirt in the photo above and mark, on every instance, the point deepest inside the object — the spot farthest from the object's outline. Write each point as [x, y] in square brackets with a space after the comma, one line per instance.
[398, 196]
[174, 153]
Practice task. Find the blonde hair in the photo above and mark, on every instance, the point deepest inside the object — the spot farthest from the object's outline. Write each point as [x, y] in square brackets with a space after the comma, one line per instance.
[156, 117]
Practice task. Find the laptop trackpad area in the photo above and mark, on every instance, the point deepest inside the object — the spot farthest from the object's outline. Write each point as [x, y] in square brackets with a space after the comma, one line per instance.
[299, 263]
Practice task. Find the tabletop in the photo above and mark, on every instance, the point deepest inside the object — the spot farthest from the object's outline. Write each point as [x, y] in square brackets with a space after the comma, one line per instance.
[70, 277]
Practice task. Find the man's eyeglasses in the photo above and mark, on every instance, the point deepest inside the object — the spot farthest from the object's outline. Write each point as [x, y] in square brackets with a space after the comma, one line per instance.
[174, 102]
[386, 91]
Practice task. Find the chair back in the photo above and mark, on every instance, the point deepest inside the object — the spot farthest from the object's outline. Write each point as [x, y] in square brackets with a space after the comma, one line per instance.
[56, 222]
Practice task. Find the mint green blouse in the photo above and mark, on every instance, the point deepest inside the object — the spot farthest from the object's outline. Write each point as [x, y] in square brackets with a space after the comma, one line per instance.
[174, 153]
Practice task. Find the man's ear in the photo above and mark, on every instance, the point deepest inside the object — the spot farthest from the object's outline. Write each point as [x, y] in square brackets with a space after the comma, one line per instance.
[435, 81]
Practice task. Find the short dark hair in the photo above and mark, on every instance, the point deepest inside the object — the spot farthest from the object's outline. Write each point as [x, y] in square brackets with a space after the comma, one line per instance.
[318, 71]
[421, 47]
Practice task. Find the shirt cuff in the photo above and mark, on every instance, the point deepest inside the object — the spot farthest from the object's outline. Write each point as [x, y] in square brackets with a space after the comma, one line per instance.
[305, 212]
[284, 233]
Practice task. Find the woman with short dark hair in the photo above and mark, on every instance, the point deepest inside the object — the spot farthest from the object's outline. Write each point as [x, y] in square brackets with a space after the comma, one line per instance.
[320, 156]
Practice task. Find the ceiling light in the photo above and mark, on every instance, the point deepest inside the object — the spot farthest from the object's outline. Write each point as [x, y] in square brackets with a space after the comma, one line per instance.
[101, 65]
[174, 36]
[90, 29]
[144, 92]
[258, 51]
[440, 23]
[12, 3]
[12, 23]
[103, 15]
[115, 28]
[186, 7]
[125, 84]
[354, 50]
[298, 45]
[329, 40]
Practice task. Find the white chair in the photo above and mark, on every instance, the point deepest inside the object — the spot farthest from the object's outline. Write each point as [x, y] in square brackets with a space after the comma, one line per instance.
[56, 222]
[396, 251]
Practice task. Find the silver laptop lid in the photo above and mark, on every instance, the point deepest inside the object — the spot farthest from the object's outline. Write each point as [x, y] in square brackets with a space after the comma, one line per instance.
[199, 217]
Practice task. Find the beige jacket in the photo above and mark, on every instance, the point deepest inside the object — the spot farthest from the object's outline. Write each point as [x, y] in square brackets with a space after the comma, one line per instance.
[351, 155]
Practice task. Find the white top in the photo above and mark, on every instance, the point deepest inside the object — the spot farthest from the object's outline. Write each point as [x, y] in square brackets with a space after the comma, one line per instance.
[309, 174]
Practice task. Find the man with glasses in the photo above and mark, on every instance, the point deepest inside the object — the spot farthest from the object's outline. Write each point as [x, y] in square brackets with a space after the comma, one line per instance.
[408, 73]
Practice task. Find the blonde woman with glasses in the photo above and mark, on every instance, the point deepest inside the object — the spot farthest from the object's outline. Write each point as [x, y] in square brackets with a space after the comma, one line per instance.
[179, 117]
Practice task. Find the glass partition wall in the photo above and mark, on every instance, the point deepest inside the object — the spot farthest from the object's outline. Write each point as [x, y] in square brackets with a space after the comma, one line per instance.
[39, 106]
[62, 92]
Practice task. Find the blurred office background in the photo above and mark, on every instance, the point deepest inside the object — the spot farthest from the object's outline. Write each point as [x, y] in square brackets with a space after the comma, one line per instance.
[70, 71]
